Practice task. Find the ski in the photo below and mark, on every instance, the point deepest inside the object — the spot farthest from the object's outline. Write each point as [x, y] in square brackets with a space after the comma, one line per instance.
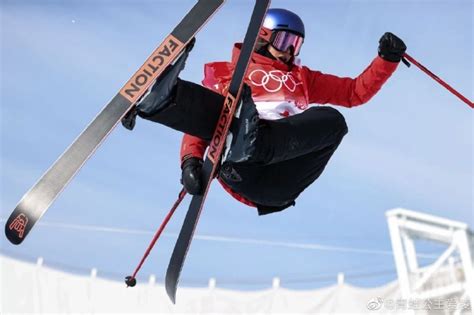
[38, 199]
[215, 150]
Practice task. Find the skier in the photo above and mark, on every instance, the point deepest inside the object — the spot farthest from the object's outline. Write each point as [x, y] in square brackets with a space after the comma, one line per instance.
[280, 143]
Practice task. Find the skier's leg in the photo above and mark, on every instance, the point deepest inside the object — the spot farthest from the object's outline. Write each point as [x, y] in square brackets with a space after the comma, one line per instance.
[160, 94]
[179, 104]
[193, 109]
[244, 129]
[163, 90]
[275, 187]
[298, 135]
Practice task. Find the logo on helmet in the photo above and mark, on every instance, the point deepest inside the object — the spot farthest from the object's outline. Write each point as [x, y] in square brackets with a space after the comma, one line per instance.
[265, 33]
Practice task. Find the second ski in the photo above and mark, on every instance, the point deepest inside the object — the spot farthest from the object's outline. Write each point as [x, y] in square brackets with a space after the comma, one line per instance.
[213, 158]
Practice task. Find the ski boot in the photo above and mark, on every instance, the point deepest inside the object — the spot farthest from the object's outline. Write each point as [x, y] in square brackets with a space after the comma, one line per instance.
[243, 130]
[161, 93]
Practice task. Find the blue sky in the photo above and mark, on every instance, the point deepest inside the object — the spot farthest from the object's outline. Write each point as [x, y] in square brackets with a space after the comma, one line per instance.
[411, 146]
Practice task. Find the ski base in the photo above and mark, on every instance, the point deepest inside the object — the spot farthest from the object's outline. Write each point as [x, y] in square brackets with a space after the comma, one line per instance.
[38, 199]
[215, 149]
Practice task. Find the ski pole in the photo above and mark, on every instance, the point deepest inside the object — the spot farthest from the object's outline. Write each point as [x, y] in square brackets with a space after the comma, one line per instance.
[131, 281]
[436, 78]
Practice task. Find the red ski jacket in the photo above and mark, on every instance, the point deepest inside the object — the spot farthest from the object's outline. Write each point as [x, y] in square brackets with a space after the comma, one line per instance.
[279, 91]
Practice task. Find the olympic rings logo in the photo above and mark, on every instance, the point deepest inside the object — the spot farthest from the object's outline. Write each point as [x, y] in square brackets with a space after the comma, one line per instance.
[274, 80]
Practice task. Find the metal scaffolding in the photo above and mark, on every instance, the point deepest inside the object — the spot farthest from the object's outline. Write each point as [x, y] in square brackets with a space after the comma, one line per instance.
[451, 275]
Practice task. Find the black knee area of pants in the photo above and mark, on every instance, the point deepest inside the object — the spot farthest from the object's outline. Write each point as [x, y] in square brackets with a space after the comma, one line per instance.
[339, 121]
[194, 110]
[311, 131]
[273, 186]
[335, 119]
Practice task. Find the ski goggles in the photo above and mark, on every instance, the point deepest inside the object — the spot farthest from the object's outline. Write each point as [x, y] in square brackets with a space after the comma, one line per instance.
[283, 40]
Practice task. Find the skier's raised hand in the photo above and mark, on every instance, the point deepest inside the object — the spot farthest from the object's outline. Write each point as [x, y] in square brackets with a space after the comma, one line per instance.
[391, 48]
[191, 175]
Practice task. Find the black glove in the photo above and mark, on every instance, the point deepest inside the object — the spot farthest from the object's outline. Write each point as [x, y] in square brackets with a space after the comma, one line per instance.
[391, 48]
[191, 175]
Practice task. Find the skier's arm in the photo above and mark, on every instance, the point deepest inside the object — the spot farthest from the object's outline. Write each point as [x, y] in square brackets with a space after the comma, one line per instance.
[192, 146]
[192, 153]
[216, 80]
[349, 92]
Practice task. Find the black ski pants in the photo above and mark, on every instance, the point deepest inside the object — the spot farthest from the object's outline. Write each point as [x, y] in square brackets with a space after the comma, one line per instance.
[291, 153]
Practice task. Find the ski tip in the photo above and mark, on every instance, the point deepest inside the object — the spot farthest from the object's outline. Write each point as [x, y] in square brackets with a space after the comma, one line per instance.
[12, 237]
[20, 223]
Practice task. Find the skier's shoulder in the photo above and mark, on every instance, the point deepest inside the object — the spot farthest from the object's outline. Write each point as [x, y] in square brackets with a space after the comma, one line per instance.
[306, 70]
[310, 74]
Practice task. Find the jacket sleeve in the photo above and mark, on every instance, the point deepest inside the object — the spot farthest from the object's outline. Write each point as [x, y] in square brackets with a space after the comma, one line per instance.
[192, 147]
[349, 92]
[216, 78]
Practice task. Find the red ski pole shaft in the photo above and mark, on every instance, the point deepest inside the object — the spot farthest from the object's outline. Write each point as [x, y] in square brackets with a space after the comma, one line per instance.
[158, 233]
[436, 78]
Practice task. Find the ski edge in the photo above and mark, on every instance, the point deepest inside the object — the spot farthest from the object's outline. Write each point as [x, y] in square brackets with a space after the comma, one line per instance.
[174, 269]
[17, 227]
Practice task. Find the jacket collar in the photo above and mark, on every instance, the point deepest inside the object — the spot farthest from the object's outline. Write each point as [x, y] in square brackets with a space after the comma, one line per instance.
[259, 59]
